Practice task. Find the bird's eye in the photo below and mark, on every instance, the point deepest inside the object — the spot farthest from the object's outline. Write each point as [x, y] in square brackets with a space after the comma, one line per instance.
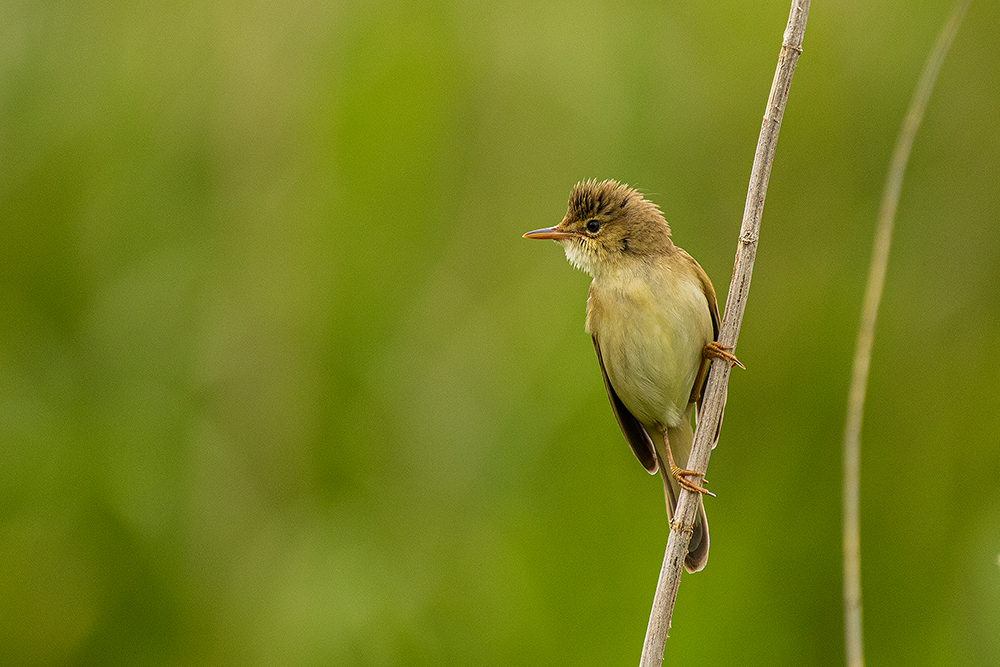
[593, 226]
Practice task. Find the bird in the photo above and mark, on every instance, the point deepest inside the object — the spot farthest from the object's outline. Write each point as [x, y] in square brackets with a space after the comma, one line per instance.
[654, 320]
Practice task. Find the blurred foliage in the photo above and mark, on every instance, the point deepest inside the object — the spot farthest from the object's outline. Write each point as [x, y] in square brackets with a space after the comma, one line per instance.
[280, 383]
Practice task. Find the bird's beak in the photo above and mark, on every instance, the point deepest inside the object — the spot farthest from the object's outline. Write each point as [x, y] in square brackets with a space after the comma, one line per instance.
[553, 233]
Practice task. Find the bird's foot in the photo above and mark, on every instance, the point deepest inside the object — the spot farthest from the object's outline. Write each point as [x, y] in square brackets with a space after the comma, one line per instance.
[682, 474]
[716, 350]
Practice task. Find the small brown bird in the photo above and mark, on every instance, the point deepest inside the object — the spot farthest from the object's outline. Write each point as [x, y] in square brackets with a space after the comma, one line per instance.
[654, 319]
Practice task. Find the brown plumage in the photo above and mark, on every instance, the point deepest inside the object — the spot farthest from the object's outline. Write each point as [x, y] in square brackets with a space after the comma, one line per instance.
[651, 311]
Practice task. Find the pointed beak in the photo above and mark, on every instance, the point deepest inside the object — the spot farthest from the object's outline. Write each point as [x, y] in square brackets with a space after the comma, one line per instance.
[553, 233]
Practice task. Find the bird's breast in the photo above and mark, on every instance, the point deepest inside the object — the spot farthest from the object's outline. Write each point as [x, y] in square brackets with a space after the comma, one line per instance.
[651, 334]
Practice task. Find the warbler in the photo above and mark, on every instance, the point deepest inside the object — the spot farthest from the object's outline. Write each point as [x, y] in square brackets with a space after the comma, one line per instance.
[654, 320]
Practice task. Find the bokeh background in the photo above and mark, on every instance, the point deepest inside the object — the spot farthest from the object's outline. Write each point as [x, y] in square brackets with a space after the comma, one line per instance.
[281, 384]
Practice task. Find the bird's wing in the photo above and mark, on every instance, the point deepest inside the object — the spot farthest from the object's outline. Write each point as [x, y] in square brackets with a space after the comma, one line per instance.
[713, 308]
[701, 380]
[713, 304]
[634, 433]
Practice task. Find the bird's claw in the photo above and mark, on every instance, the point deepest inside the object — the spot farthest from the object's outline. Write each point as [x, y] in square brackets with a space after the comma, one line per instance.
[681, 475]
[716, 350]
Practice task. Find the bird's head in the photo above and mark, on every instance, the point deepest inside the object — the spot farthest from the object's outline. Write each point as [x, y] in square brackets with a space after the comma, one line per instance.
[606, 224]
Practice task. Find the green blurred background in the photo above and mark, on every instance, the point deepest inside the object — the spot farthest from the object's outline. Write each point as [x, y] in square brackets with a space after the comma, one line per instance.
[281, 384]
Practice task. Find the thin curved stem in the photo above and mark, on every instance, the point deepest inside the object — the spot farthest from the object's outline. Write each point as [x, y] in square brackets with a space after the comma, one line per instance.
[710, 415]
[866, 336]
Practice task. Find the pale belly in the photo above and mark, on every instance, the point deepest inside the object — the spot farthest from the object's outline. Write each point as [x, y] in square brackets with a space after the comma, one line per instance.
[651, 345]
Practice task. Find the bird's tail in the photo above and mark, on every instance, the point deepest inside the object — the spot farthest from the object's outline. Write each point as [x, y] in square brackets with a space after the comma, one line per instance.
[680, 439]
